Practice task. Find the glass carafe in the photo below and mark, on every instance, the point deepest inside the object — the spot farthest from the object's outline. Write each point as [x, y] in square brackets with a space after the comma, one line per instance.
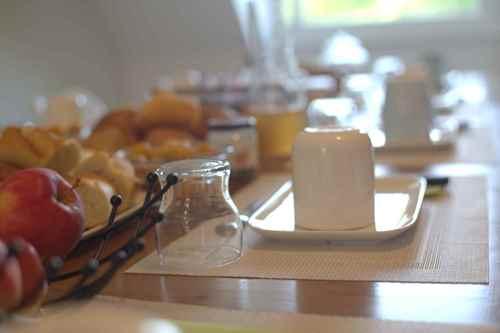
[277, 97]
[201, 226]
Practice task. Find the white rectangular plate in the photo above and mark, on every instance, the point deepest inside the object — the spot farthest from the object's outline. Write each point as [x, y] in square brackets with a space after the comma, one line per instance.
[398, 200]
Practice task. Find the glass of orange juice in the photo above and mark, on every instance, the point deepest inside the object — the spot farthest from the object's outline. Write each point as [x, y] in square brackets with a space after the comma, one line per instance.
[278, 100]
[277, 127]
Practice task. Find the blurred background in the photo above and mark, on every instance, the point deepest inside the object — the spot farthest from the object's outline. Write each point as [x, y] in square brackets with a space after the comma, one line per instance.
[118, 49]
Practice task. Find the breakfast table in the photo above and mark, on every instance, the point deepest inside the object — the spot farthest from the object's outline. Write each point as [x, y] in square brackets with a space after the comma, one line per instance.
[472, 303]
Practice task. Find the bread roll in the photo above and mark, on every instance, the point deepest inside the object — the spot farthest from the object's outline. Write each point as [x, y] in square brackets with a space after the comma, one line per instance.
[124, 119]
[42, 141]
[169, 110]
[169, 151]
[117, 129]
[66, 158]
[6, 170]
[28, 146]
[159, 136]
[118, 172]
[95, 195]
[109, 139]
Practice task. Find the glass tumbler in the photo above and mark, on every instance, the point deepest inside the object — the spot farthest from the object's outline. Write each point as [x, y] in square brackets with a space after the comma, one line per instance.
[201, 226]
[75, 111]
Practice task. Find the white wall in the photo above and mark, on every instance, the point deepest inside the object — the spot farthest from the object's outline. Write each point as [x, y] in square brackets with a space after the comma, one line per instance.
[472, 44]
[118, 48]
[482, 54]
[46, 46]
[157, 37]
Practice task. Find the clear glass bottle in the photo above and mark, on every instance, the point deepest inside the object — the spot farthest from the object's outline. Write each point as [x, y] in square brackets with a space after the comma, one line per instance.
[276, 76]
[202, 226]
[277, 96]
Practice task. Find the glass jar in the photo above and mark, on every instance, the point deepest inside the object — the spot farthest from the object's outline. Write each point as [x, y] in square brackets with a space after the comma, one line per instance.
[202, 226]
[74, 112]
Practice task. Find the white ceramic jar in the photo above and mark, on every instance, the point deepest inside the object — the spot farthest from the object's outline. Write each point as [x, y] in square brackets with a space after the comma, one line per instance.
[333, 179]
[407, 112]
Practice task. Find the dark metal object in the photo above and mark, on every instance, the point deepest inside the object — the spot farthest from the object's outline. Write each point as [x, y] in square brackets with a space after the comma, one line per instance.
[437, 181]
[89, 282]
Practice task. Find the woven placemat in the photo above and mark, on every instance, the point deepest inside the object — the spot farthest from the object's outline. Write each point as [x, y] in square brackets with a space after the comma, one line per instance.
[449, 244]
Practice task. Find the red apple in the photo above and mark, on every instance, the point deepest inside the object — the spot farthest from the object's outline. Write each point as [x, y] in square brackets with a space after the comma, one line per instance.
[10, 280]
[32, 271]
[3, 252]
[41, 207]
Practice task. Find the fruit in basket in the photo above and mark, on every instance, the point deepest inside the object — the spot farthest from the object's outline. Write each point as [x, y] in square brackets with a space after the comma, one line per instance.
[43, 208]
[10, 285]
[23, 281]
[32, 271]
[10, 280]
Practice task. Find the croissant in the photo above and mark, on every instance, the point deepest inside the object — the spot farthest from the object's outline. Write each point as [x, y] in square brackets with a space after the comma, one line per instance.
[27, 147]
[169, 110]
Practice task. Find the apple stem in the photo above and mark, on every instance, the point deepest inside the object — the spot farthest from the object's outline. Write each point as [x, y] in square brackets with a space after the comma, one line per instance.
[14, 249]
[77, 183]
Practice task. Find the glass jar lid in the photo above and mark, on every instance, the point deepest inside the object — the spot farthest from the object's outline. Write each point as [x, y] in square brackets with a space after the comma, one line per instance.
[194, 167]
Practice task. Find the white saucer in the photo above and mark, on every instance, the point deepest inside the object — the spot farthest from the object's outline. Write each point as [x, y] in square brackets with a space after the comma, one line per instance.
[440, 138]
[397, 204]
